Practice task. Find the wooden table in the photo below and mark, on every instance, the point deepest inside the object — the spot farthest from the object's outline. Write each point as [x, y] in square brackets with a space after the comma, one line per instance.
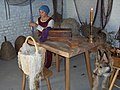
[64, 50]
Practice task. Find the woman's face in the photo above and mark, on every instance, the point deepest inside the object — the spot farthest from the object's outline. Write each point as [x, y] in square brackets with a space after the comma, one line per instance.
[42, 13]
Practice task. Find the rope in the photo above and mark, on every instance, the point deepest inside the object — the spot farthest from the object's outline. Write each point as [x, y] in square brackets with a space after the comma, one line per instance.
[77, 12]
[104, 17]
[109, 9]
[62, 9]
[96, 12]
[7, 9]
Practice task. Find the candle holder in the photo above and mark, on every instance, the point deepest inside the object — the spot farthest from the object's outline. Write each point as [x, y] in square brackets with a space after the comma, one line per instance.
[90, 39]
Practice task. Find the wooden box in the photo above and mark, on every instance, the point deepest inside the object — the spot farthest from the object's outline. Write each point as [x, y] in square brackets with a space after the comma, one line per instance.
[63, 35]
[60, 32]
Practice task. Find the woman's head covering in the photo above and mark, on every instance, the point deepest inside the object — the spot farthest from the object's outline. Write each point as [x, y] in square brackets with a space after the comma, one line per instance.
[45, 8]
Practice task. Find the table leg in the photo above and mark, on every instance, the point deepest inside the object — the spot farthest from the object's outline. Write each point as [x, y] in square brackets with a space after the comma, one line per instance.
[57, 63]
[23, 81]
[88, 66]
[67, 74]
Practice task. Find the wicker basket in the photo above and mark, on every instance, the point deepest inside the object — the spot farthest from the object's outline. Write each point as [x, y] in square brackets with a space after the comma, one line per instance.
[19, 42]
[7, 51]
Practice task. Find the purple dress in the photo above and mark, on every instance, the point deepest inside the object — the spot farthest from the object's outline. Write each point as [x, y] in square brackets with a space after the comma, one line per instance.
[43, 37]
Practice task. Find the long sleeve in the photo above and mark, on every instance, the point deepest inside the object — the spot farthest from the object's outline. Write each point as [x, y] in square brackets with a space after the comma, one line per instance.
[44, 34]
[45, 30]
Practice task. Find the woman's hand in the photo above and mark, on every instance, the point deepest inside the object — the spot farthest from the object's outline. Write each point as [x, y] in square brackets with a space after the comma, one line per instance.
[32, 24]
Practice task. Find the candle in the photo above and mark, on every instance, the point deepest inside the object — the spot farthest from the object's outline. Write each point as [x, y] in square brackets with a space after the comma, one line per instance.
[91, 17]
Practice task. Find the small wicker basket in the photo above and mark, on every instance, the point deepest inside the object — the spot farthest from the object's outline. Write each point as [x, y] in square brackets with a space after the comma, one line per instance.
[19, 42]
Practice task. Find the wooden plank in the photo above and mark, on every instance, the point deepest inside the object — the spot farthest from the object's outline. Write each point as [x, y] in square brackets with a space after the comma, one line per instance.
[60, 32]
[67, 40]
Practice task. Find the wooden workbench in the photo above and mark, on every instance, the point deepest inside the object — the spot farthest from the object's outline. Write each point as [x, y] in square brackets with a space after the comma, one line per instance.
[66, 51]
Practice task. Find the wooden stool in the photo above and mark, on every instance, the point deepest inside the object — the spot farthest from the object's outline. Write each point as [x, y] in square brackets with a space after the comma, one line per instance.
[46, 75]
[115, 73]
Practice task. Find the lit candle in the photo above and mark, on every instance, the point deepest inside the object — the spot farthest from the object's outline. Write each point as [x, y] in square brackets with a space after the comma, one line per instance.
[91, 17]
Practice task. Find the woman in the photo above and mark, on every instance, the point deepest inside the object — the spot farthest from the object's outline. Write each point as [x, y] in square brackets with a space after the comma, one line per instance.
[43, 25]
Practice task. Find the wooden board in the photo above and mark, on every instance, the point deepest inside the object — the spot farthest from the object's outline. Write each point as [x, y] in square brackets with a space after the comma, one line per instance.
[67, 40]
[116, 61]
[60, 32]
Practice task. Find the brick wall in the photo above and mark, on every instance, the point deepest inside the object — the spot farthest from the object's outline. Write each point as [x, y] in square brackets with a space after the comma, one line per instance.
[17, 24]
